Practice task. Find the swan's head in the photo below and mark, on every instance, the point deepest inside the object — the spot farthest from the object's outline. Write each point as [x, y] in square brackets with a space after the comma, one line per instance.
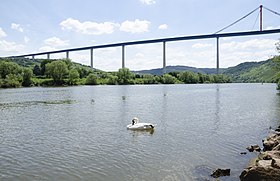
[135, 120]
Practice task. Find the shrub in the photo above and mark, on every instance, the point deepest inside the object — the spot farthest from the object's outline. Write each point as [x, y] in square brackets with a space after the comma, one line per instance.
[91, 79]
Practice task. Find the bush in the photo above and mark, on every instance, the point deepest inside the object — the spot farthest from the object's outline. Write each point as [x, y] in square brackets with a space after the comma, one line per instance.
[26, 78]
[168, 79]
[57, 70]
[91, 79]
[7, 68]
[73, 77]
[11, 81]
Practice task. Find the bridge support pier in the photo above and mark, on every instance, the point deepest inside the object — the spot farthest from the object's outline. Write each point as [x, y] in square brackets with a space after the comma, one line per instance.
[164, 57]
[218, 56]
[48, 56]
[33, 57]
[123, 56]
[91, 58]
[67, 55]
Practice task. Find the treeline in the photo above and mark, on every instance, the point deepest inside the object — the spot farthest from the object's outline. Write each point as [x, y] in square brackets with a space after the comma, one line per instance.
[276, 60]
[64, 72]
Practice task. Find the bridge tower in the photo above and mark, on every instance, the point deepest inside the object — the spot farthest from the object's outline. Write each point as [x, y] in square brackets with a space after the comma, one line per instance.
[261, 18]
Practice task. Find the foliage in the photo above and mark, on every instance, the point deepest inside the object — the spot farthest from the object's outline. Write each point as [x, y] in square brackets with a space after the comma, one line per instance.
[91, 79]
[7, 68]
[168, 79]
[26, 77]
[124, 76]
[36, 70]
[57, 70]
[189, 77]
[73, 77]
[11, 80]
[112, 80]
[278, 46]
[43, 65]
[149, 79]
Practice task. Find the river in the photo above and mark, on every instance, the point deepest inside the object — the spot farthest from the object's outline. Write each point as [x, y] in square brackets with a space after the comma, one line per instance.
[79, 133]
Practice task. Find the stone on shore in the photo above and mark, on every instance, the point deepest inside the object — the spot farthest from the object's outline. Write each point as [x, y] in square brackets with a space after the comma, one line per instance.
[266, 167]
[253, 148]
[220, 172]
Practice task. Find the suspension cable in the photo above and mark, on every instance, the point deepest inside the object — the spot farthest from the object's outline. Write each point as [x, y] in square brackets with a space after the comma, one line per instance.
[272, 11]
[237, 21]
[256, 20]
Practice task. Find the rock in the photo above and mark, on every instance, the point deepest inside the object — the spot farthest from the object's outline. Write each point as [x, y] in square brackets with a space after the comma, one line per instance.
[253, 148]
[273, 154]
[275, 163]
[259, 173]
[243, 153]
[264, 163]
[276, 148]
[220, 172]
[266, 167]
[268, 145]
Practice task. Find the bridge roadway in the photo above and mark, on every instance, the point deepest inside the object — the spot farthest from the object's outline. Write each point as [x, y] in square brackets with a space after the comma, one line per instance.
[161, 40]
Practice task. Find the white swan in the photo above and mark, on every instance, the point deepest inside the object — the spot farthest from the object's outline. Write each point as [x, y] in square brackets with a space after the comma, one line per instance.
[135, 125]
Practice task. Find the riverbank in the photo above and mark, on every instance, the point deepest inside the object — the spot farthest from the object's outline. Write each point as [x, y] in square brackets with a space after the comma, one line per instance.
[267, 165]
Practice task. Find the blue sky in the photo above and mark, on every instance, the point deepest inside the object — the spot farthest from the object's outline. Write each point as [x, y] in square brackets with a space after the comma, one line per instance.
[28, 26]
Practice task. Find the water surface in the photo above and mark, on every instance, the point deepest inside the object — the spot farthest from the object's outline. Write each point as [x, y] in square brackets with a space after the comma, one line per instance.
[79, 133]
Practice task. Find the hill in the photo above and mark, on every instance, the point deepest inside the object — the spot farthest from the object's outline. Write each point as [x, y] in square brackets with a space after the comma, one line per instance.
[177, 68]
[249, 72]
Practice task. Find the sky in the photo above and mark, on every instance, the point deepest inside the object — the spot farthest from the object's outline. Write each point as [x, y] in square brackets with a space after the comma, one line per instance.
[32, 26]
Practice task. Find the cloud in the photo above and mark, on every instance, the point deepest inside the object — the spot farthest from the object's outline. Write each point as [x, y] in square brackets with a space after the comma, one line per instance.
[148, 2]
[26, 39]
[2, 33]
[137, 26]
[47, 49]
[56, 42]
[272, 27]
[17, 27]
[88, 27]
[6, 46]
[163, 27]
[249, 45]
[201, 45]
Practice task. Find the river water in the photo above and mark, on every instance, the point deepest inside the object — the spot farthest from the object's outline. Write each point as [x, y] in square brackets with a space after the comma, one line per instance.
[79, 133]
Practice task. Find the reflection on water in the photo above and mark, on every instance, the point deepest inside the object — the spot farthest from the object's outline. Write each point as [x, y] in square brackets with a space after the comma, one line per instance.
[217, 111]
[136, 133]
[79, 133]
[32, 103]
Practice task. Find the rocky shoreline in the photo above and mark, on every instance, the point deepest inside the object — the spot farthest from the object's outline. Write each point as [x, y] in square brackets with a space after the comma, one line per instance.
[266, 167]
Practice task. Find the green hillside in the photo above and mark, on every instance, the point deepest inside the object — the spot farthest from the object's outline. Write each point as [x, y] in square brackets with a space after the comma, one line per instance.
[250, 72]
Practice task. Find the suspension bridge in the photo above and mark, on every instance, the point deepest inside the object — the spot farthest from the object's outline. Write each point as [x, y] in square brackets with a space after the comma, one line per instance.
[164, 41]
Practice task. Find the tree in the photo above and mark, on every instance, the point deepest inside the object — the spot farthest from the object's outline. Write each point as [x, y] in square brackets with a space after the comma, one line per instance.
[36, 70]
[57, 70]
[149, 79]
[11, 80]
[124, 76]
[168, 79]
[68, 62]
[189, 77]
[276, 60]
[278, 46]
[7, 68]
[73, 76]
[26, 78]
[112, 80]
[43, 65]
[91, 79]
